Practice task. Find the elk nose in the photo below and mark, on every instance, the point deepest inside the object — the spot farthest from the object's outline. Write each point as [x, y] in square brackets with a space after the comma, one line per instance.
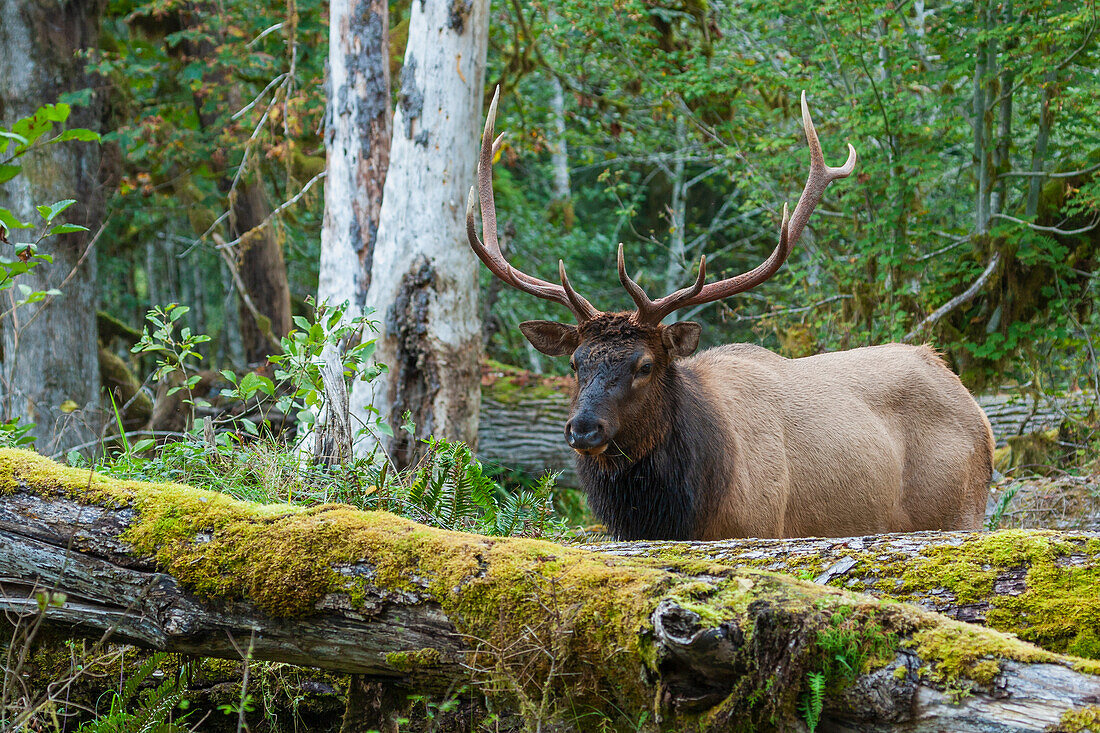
[586, 434]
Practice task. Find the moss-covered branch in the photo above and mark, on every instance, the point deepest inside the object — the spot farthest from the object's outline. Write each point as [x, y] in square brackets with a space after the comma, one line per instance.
[664, 642]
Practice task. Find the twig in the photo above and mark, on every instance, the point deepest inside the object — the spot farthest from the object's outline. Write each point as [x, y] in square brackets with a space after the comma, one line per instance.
[962, 298]
[941, 250]
[1052, 230]
[278, 210]
[1064, 174]
[242, 290]
[787, 311]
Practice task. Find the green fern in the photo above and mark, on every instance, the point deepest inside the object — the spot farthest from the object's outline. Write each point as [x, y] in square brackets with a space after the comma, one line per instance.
[133, 710]
[813, 700]
[451, 490]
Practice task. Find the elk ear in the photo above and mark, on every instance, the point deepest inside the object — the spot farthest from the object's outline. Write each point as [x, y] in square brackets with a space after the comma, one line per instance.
[552, 339]
[682, 339]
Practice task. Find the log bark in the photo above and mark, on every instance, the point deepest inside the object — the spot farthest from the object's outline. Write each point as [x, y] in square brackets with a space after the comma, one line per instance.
[677, 641]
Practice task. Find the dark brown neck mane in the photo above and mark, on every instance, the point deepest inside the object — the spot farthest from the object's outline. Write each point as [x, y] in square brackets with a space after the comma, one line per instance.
[655, 491]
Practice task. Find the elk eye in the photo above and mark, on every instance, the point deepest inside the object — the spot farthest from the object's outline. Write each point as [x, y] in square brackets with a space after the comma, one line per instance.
[645, 369]
[573, 364]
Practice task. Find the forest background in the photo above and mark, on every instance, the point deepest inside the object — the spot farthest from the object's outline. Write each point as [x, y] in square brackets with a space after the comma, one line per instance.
[671, 127]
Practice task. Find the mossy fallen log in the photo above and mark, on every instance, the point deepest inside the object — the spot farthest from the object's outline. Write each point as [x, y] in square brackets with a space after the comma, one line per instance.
[1043, 586]
[652, 642]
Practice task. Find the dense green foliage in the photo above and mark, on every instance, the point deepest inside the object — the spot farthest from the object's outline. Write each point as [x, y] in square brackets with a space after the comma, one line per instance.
[681, 124]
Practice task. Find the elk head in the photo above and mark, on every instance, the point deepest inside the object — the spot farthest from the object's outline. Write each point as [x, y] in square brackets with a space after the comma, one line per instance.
[623, 360]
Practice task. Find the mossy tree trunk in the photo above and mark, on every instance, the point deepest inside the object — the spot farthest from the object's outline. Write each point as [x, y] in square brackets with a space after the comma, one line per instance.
[667, 640]
[50, 364]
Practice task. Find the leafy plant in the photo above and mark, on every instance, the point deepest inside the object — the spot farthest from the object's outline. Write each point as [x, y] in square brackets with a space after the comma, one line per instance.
[813, 700]
[174, 352]
[24, 136]
[133, 708]
[304, 349]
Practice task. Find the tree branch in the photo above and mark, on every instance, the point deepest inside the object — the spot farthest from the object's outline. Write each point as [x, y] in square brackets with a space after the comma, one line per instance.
[961, 299]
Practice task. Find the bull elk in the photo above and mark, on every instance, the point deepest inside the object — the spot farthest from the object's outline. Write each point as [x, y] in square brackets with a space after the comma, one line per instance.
[738, 441]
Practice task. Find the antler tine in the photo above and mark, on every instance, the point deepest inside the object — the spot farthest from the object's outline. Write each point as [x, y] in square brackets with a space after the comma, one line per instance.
[654, 311]
[489, 251]
[634, 289]
[821, 175]
[577, 304]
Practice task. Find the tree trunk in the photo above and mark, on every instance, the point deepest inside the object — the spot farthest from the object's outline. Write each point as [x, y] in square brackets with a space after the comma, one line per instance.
[981, 125]
[49, 348]
[1042, 140]
[559, 152]
[677, 253]
[1002, 156]
[357, 140]
[263, 271]
[424, 278]
[674, 639]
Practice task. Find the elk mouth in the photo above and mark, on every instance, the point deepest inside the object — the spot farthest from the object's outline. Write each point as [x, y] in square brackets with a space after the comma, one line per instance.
[592, 451]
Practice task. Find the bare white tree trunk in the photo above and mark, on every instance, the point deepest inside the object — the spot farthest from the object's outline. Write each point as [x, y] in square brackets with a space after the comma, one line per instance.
[357, 138]
[559, 155]
[677, 252]
[50, 354]
[424, 277]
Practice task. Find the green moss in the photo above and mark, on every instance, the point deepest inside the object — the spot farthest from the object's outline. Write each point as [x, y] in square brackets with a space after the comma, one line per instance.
[959, 652]
[1082, 720]
[510, 385]
[409, 661]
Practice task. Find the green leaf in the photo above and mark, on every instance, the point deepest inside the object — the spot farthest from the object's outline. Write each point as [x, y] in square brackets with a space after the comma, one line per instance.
[8, 172]
[10, 222]
[143, 445]
[56, 112]
[77, 133]
[66, 229]
[49, 213]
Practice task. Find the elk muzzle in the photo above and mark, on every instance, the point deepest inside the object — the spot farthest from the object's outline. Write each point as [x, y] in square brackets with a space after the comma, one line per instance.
[587, 434]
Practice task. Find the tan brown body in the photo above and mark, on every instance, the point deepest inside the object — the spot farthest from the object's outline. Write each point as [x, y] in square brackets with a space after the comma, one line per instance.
[878, 439]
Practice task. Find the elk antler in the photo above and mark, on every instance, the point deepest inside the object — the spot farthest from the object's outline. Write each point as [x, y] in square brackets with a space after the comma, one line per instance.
[490, 253]
[821, 175]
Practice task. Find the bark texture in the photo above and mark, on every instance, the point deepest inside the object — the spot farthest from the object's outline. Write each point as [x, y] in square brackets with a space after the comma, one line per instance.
[664, 640]
[357, 140]
[263, 272]
[424, 281]
[49, 348]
